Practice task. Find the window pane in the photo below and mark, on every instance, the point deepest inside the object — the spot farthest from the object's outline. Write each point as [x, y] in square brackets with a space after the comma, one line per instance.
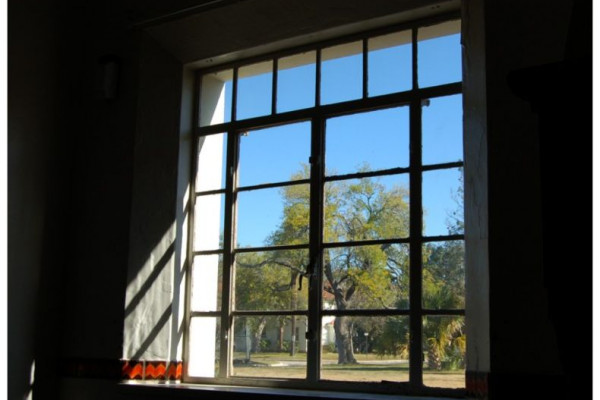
[215, 98]
[444, 346]
[270, 217]
[275, 344]
[207, 274]
[390, 63]
[444, 275]
[209, 222]
[211, 162]
[254, 97]
[443, 202]
[274, 154]
[365, 349]
[366, 277]
[270, 280]
[341, 73]
[439, 54]
[367, 141]
[296, 82]
[204, 347]
[443, 130]
[366, 209]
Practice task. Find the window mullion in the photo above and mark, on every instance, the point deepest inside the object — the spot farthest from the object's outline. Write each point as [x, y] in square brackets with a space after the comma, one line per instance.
[416, 228]
[274, 87]
[365, 71]
[316, 239]
[318, 79]
[228, 247]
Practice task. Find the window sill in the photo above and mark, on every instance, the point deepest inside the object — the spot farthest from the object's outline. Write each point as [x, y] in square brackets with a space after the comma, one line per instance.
[182, 390]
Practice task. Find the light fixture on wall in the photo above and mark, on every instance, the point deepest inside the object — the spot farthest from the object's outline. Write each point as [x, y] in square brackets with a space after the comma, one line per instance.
[110, 68]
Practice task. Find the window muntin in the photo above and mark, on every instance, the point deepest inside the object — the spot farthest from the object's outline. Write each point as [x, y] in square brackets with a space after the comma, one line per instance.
[391, 49]
[439, 54]
[257, 160]
[396, 253]
[268, 280]
[254, 90]
[367, 141]
[442, 130]
[296, 77]
[368, 208]
[341, 73]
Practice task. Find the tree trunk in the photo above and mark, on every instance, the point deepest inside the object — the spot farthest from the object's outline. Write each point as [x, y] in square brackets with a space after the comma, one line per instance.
[281, 329]
[293, 336]
[343, 341]
[341, 325]
[434, 361]
[258, 335]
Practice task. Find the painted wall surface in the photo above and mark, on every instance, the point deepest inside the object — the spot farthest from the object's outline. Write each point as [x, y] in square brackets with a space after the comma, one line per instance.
[152, 282]
[519, 320]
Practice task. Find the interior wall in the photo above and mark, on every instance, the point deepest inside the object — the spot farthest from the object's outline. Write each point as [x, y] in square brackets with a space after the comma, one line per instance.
[533, 287]
[151, 330]
[37, 194]
[519, 319]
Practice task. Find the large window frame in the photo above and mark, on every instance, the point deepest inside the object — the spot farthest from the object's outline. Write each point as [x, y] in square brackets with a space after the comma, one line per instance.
[316, 116]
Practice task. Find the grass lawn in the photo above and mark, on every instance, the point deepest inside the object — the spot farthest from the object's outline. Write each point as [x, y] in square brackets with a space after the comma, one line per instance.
[370, 368]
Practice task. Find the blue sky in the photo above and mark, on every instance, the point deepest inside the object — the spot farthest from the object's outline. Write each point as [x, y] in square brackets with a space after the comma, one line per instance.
[273, 155]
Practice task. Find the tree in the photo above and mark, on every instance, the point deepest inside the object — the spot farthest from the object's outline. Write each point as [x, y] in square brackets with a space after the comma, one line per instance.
[270, 282]
[444, 288]
[360, 276]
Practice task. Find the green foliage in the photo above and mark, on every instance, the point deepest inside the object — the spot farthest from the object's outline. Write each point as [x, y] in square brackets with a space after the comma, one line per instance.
[445, 342]
[329, 348]
[265, 345]
[359, 277]
[394, 338]
[444, 275]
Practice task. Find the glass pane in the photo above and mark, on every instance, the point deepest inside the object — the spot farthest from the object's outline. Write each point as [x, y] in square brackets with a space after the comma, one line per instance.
[366, 277]
[444, 347]
[211, 162]
[271, 280]
[274, 344]
[366, 208]
[443, 202]
[365, 349]
[341, 73]
[204, 347]
[296, 82]
[439, 54]
[271, 217]
[274, 154]
[207, 275]
[443, 130]
[209, 222]
[367, 141]
[255, 83]
[444, 275]
[215, 98]
[390, 63]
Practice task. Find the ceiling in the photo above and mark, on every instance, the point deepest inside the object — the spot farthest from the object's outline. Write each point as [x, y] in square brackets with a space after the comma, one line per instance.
[214, 31]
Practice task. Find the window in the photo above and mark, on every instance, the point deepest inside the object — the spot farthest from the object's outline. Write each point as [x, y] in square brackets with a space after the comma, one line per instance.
[327, 244]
